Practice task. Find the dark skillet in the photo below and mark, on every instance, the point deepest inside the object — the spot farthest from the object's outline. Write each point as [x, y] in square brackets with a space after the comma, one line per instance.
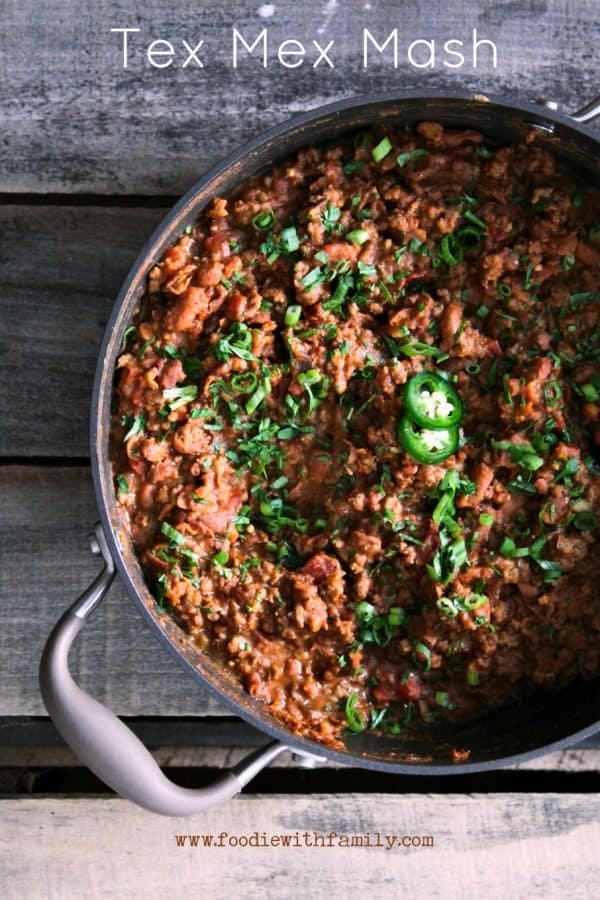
[537, 725]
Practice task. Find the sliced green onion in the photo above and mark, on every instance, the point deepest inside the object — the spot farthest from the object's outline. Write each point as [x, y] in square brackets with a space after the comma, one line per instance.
[292, 315]
[474, 219]
[174, 536]
[552, 570]
[504, 289]
[472, 678]
[126, 334]
[486, 519]
[397, 616]
[483, 311]
[263, 219]
[358, 237]
[507, 548]
[474, 601]
[456, 554]
[354, 718]
[409, 155]
[377, 716]
[180, 396]
[420, 652]
[137, 427]
[443, 699]
[450, 250]
[417, 348]
[447, 607]
[122, 484]
[355, 165]
[312, 278]
[221, 558]
[338, 297]
[361, 140]
[244, 383]
[552, 393]
[330, 218]
[289, 239]
[263, 389]
[381, 150]
[469, 236]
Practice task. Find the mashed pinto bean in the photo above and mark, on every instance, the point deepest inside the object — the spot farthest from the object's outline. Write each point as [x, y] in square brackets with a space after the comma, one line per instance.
[277, 515]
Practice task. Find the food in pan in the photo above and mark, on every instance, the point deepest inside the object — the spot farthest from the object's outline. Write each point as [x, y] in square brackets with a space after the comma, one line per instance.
[355, 431]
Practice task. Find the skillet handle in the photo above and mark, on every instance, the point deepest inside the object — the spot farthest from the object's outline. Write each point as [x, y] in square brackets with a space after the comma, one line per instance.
[588, 112]
[103, 742]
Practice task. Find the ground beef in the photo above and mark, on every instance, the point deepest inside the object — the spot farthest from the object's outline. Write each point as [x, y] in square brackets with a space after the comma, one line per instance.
[257, 462]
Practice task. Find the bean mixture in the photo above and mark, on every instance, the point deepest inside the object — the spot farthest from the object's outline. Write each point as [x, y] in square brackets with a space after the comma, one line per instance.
[355, 431]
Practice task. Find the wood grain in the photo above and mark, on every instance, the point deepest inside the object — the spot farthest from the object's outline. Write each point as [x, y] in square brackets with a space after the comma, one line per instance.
[567, 761]
[60, 269]
[74, 120]
[492, 846]
[45, 564]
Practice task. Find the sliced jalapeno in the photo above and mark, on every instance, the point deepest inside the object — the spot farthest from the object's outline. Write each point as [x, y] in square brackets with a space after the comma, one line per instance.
[432, 402]
[427, 445]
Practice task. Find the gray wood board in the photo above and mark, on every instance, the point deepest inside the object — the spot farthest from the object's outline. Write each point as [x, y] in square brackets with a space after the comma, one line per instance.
[45, 564]
[569, 762]
[493, 846]
[72, 119]
[61, 269]
[215, 741]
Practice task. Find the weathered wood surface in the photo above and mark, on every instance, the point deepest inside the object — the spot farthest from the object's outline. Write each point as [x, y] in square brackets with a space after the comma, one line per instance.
[493, 846]
[73, 122]
[217, 742]
[567, 761]
[60, 269]
[46, 563]
[72, 119]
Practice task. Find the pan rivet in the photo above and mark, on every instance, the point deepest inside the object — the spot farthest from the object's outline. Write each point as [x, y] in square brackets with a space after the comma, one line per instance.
[308, 761]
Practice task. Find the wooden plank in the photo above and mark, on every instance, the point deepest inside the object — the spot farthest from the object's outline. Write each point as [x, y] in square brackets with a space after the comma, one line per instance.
[45, 516]
[74, 120]
[60, 269]
[212, 742]
[496, 846]
[203, 732]
[569, 762]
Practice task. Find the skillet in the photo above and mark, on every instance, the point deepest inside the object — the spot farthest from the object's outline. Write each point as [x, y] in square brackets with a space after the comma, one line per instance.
[104, 743]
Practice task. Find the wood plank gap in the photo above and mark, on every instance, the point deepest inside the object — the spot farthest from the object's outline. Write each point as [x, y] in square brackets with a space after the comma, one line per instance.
[48, 462]
[15, 781]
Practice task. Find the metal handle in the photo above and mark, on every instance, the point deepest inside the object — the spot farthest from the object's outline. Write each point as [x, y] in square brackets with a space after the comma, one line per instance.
[103, 742]
[588, 112]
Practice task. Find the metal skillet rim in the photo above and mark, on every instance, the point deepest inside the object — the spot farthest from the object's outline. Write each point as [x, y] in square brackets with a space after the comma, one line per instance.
[102, 391]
